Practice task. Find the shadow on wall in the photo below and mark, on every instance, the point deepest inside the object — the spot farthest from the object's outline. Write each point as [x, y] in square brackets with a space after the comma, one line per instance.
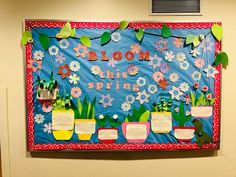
[124, 155]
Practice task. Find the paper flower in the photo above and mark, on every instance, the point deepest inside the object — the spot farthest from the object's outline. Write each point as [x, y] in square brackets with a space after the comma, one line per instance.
[38, 55]
[141, 81]
[106, 100]
[47, 128]
[195, 85]
[63, 43]
[101, 116]
[74, 66]
[75, 92]
[125, 106]
[187, 99]
[174, 77]
[95, 70]
[195, 52]
[155, 61]
[164, 68]
[157, 76]
[39, 118]
[184, 87]
[53, 50]
[207, 45]
[175, 93]
[187, 113]
[130, 99]
[64, 71]
[181, 57]
[178, 42]
[81, 50]
[169, 56]
[115, 116]
[196, 75]
[112, 63]
[209, 96]
[163, 84]
[184, 65]
[60, 58]
[152, 88]
[73, 79]
[205, 88]
[142, 97]
[47, 107]
[34, 64]
[132, 70]
[116, 37]
[210, 71]
[199, 63]
[161, 45]
[135, 48]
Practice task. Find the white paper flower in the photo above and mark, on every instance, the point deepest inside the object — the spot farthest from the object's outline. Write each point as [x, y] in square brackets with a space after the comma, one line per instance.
[174, 77]
[210, 71]
[184, 65]
[152, 88]
[38, 55]
[53, 50]
[175, 93]
[115, 116]
[195, 52]
[142, 97]
[64, 44]
[180, 56]
[95, 69]
[39, 118]
[74, 79]
[106, 100]
[169, 56]
[187, 113]
[141, 81]
[184, 87]
[130, 99]
[116, 37]
[74, 66]
[155, 61]
[125, 106]
[196, 75]
[101, 116]
[47, 128]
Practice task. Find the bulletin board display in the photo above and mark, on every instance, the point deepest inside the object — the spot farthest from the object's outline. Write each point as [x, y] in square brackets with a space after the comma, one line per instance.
[122, 86]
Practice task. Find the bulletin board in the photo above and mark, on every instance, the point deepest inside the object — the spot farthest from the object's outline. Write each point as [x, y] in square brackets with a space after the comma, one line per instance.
[122, 85]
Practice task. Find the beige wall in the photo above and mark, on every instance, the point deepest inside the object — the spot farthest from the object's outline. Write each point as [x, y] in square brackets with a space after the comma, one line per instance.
[138, 164]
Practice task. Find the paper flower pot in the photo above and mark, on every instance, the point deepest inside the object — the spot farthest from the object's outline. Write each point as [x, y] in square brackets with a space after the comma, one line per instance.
[201, 111]
[161, 122]
[107, 135]
[184, 134]
[85, 128]
[46, 95]
[135, 132]
[62, 124]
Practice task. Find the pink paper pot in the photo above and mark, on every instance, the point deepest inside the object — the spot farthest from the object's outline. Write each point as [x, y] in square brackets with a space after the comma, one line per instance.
[184, 134]
[107, 135]
[136, 132]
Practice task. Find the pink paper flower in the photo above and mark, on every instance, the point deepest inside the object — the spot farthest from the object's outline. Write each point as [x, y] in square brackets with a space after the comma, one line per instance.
[199, 63]
[209, 96]
[195, 85]
[157, 76]
[161, 45]
[135, 48]
[47, 107]
[81, 50]
[132, 70]
[75, 92]
[204, 88]
[178, 42]
[34, 64]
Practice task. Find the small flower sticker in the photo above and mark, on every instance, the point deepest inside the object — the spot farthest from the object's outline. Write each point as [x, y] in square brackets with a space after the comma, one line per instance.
[142, 97]
[106, 100]
[64, 71]
[125, 106]
[135, 48]
[175, 93]
[73, 79]
[95, 70]
[116, 37]
[39, 118]
[174, 77]
[74, 66]
[132, 70]
[141, 81]
[155, 61]
[157, 76]
[81, 50]
[75, 92]
[38, 55]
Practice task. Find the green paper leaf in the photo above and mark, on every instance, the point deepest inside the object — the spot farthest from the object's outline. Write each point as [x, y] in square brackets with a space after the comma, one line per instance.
[26, 37]
[217, 31]
[144, 117]
[106, 37]
[222, 58]
[126, 119]
[192, 97]
[85, 41]
[73, 32]
[44, 40]
[212, 101]
[65, 32]
[166, 31]
[79, 107]
[196, 41]
[124, 24]
[189, 39]
[139, 34]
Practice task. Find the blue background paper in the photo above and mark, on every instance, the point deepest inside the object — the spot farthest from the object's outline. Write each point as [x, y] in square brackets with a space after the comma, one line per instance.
[145, 70]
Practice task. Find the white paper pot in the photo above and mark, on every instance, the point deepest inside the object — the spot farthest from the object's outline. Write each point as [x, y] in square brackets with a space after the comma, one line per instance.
[184, 134]
[201, 111]
[161, 122]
